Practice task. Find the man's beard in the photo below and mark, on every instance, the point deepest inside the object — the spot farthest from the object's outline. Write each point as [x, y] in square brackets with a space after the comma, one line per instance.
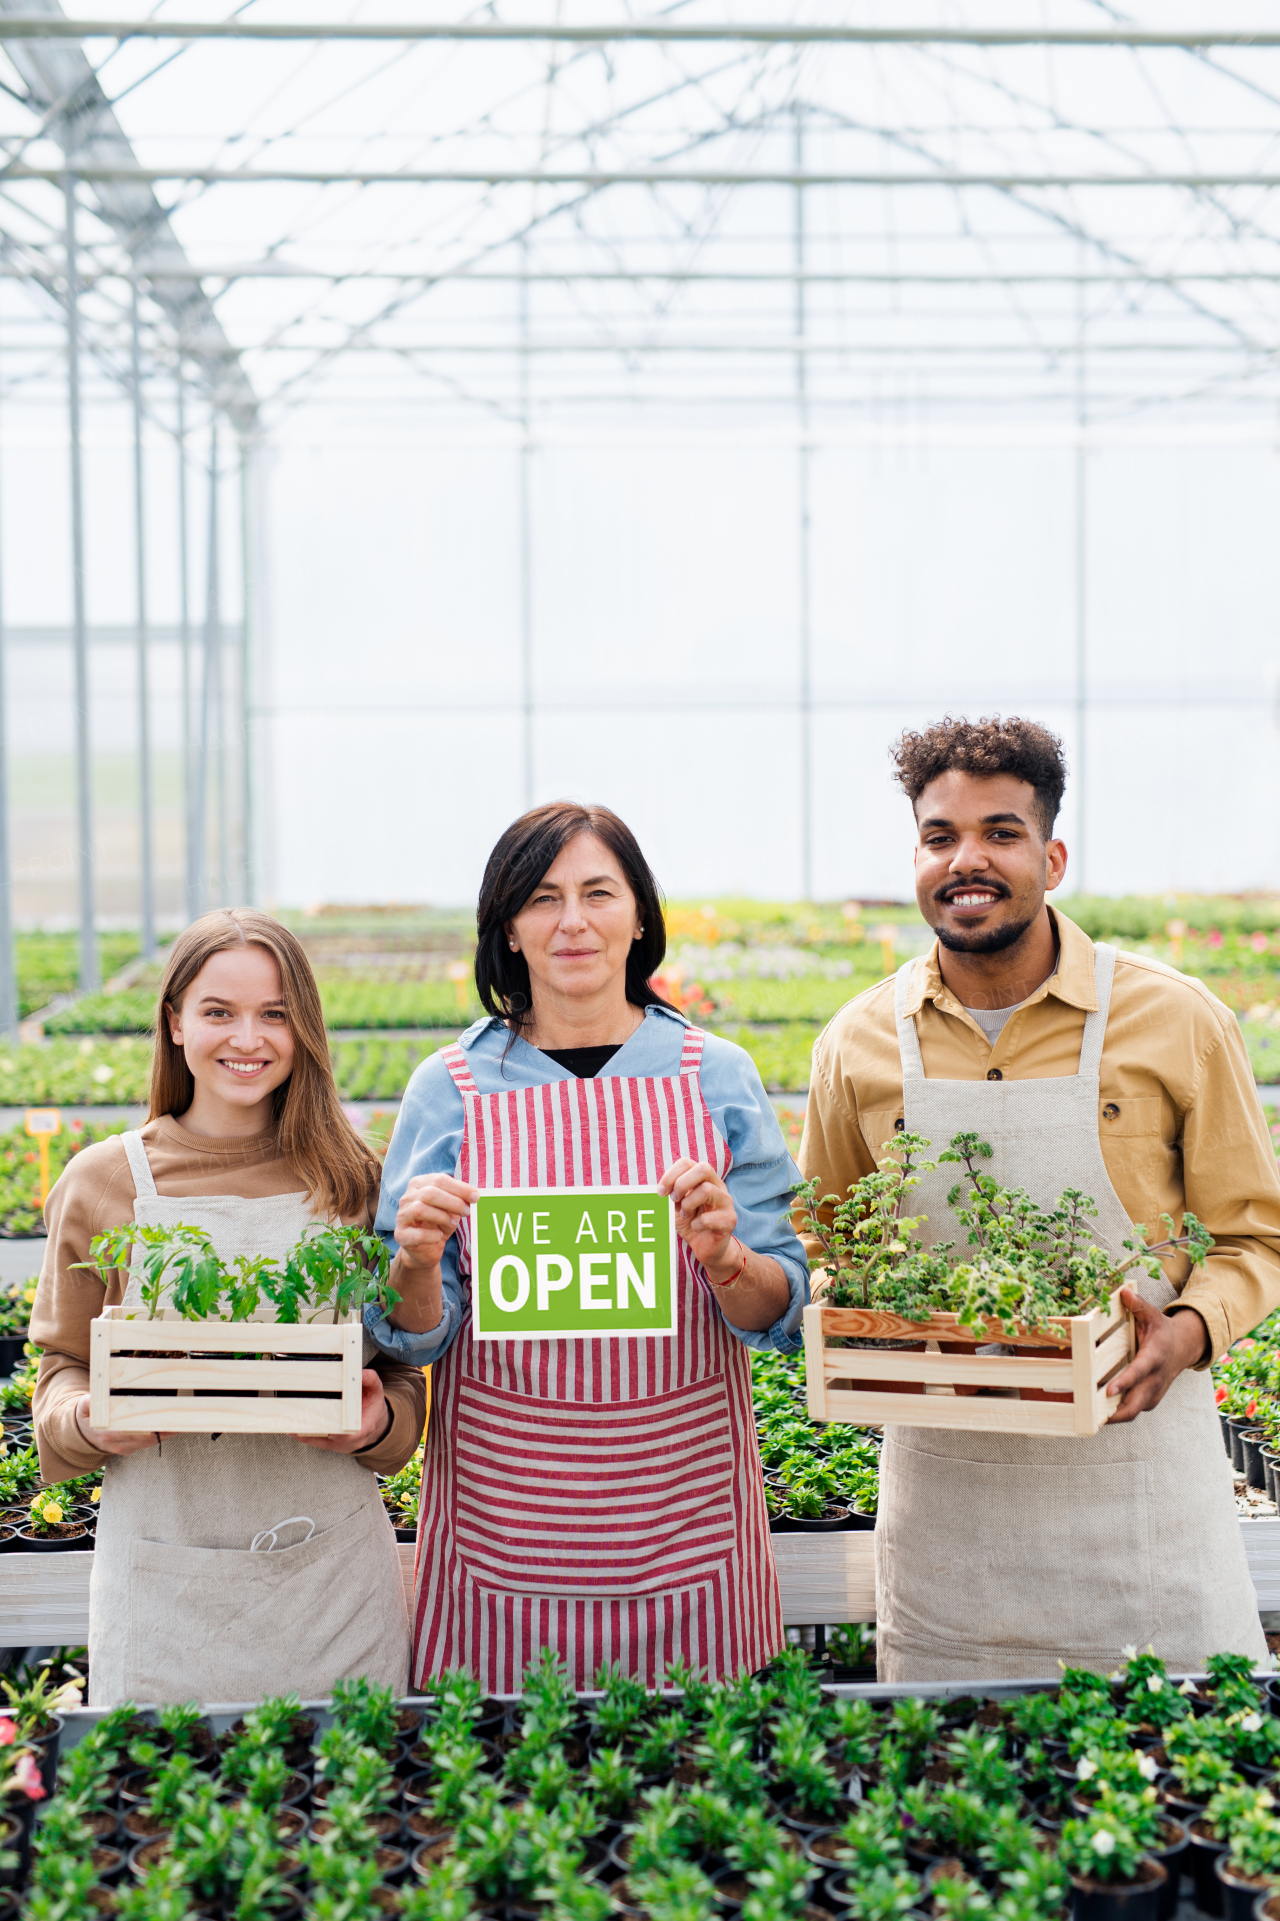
[987, 940]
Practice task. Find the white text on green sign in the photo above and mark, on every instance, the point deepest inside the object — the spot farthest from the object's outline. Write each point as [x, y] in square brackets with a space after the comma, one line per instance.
[568, 1263]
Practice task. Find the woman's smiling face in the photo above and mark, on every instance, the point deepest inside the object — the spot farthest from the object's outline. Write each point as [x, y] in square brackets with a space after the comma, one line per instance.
[576, 929]
[233, 1029]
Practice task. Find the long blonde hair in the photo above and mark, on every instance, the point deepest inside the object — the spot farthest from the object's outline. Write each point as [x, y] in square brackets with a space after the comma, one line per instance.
[314, 1135]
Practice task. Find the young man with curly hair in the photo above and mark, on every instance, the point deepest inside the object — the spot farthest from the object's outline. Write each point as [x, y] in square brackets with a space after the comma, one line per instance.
[1002, 1554]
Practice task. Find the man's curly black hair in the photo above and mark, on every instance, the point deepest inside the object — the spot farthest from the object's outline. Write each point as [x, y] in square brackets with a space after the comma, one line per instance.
[990, 746]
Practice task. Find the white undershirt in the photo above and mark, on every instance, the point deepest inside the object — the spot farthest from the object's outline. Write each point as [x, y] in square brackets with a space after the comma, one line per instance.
[992, 1019]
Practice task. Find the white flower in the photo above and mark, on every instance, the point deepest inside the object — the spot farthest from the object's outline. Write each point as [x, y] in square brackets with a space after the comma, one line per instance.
[1188, 1687]
[1085, 1768]
[1250, 1723]
[1130, 1654]
[1155, 1684]
[1104, 1842]
[1147, 1767]
[69, 1696]
[102, 1075]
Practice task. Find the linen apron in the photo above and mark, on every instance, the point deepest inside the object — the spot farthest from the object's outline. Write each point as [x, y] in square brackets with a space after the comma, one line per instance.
[600, 1497]
[229, 1569]
[998, 1555]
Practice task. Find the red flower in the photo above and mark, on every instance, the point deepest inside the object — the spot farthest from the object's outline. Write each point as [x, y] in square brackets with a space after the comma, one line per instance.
[8, 1732]
[1249, 1411]
[1220, 1395]
[26, 1776]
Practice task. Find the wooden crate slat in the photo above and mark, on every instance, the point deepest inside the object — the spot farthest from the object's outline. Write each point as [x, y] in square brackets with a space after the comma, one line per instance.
[136, 1376]
[866, 1324]
[250, 1337]
[990, 1414]
[222, 1414]
[131, 1362]
[970, 1370]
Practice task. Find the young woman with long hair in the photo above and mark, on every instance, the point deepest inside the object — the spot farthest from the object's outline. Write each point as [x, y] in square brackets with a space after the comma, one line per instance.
[236, 1565]
[599, 1496]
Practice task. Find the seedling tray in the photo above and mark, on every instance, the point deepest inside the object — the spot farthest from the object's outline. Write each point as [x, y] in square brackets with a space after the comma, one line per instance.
[934, 1389]
[172, 1375]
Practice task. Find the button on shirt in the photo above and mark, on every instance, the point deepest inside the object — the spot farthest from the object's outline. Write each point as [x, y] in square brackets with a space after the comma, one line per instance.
[1179, 1119]
[428, 1140]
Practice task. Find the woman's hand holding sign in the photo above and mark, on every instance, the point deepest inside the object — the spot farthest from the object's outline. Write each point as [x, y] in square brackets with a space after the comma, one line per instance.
[430, 1209]
[751, 1288]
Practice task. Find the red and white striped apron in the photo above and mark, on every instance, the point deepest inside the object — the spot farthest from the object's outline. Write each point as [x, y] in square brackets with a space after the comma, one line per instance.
[603, 1498]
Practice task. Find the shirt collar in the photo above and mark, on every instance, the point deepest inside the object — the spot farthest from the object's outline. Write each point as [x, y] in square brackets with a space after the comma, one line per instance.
[487, 1023]
[1073, 983]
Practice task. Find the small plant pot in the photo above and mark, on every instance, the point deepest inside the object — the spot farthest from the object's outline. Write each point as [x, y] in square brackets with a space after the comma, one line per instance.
[1137, 1900]
[1270, 1461]
[1240, 1893]
[831, 1522]
[1267, 1906]
[145, 1854]
[1252, 1442]
[427, 1850]
[824, 1848]
[1171, 1854]
[1236, 1426]
[67, 1536]
[386, 1826]
[111, 1865]
[1203, 1850]
[1224, 1422]
[139, 1826]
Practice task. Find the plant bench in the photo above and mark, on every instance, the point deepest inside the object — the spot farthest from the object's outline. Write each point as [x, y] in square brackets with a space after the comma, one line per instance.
[995, 1393]
[138, 1383]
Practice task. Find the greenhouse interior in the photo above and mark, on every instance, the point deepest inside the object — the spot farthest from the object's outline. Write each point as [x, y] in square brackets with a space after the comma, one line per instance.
[639, 699]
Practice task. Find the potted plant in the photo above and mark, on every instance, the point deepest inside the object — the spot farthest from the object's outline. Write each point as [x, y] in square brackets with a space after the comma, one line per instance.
[1113, 1877]
[50, 1528]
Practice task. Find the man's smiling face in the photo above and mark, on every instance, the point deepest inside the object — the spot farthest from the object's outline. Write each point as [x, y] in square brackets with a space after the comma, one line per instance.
[983, 865]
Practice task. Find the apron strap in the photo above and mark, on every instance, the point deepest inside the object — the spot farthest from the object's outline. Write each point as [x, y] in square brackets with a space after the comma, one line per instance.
[455, 1059]
[691, 1052]
[144, 1182]
[1095, 1025]
[908, 1039]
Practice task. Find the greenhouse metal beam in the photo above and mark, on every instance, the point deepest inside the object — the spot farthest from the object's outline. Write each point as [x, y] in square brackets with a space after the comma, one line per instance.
[596, 177]
[40, 27]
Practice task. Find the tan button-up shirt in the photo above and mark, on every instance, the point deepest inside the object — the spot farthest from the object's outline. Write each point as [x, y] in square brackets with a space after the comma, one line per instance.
[1179, 1118]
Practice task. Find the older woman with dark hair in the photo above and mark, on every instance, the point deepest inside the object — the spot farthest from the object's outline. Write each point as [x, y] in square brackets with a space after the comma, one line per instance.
[602, 1497]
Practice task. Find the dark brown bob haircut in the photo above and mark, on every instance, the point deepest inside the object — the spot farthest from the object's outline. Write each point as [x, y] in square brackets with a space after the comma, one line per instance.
[518, 865]
[337, 1170]
[991, 746]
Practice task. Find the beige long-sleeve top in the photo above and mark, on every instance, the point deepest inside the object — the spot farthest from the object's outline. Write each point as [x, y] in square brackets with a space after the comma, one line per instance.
[96, 1192]
[1179, 1118]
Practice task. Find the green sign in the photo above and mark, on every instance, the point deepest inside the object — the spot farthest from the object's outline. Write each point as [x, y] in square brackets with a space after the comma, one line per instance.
[562, 1263]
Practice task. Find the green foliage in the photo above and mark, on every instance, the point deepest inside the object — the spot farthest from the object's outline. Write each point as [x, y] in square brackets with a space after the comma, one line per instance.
[338, 1268]
[870, 1246]
[1101, 1848]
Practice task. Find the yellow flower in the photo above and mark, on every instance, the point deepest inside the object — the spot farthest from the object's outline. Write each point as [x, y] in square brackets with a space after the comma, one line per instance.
[29, 1293]
[96, 1496]
[52, 1513]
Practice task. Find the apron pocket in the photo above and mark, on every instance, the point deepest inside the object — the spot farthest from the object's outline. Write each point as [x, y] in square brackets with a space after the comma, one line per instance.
[1056, 1560]
[589, 1498]
[228, 1625]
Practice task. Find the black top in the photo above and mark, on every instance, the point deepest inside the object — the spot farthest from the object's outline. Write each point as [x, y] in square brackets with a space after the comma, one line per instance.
[585, 1062]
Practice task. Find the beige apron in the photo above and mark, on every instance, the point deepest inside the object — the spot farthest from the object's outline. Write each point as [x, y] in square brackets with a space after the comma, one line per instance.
[999, 1555]
[249, 1565]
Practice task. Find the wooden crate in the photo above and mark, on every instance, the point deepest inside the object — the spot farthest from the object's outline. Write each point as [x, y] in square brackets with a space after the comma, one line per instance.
[132, 1360]
[1094, 1349]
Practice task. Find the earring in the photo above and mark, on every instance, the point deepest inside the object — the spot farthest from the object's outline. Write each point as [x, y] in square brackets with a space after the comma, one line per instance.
[513, 947]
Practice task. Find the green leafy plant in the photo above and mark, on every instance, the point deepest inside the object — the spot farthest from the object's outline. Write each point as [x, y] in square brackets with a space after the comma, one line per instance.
[342, 1268]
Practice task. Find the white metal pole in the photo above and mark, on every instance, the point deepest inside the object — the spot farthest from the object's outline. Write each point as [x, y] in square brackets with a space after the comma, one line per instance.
[246, 679]
[1082, 613]
[526, 544]
[804, 556]
[89, 977]
[193, 864]
[146, 852]
[8, 958]
[208, 670]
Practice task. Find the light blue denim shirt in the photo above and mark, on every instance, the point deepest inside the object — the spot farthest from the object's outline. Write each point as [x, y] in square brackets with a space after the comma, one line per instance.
[428, 1140]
